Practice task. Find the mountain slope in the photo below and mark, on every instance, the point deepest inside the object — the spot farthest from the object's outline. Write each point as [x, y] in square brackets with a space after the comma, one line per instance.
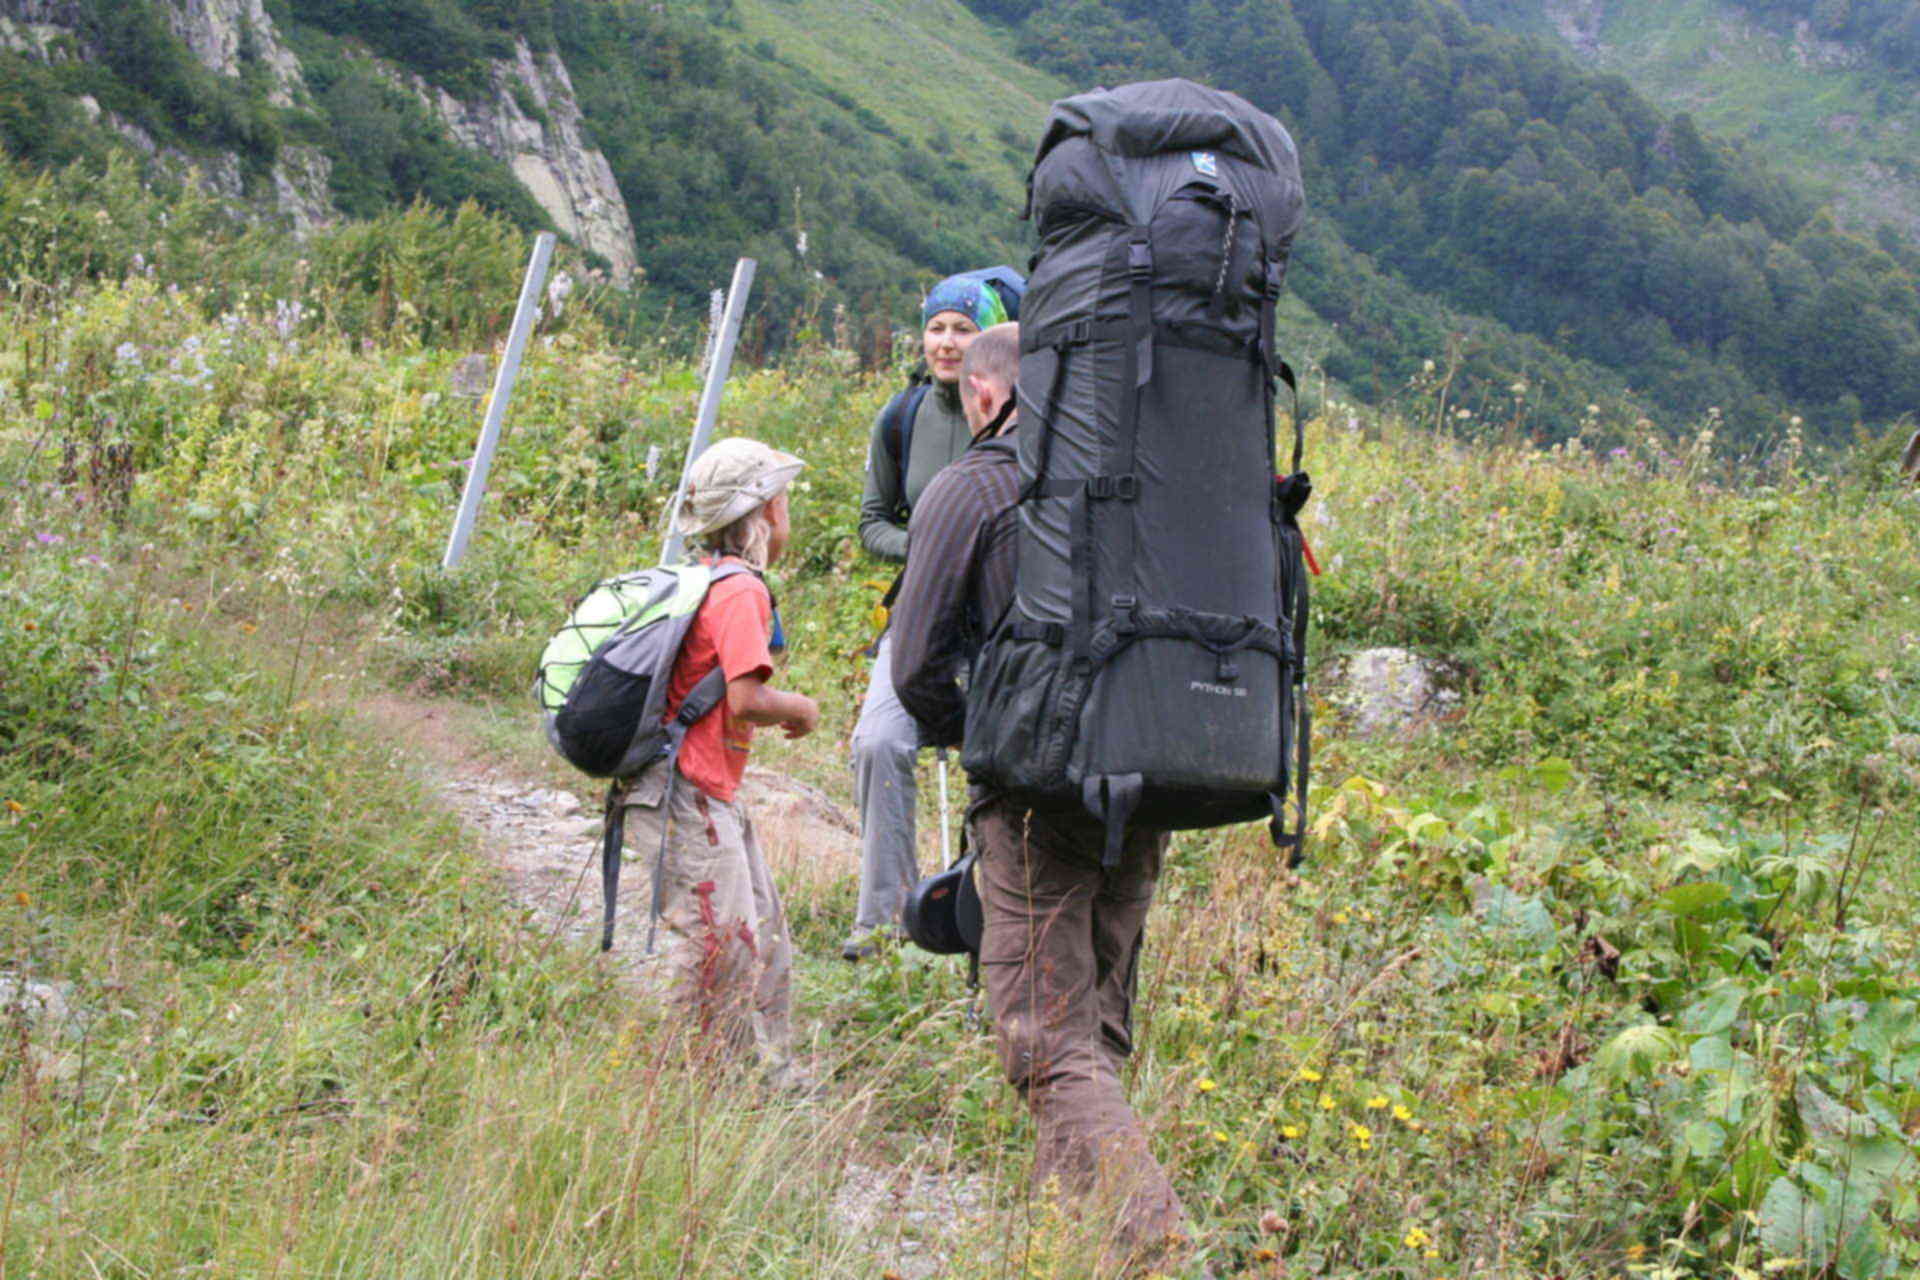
[1545, 235]
[1829, 100]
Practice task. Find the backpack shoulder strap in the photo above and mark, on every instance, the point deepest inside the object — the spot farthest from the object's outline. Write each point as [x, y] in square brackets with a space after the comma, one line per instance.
[896, 430]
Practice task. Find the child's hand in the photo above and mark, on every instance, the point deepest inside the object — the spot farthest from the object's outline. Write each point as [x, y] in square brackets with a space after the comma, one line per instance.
[803, 719]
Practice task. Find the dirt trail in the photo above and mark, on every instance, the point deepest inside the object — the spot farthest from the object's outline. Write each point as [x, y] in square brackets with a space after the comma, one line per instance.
[909, 1218]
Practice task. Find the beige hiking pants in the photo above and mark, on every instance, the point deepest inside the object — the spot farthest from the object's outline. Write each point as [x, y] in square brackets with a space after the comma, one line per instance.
[722, 954]
[1059, 957]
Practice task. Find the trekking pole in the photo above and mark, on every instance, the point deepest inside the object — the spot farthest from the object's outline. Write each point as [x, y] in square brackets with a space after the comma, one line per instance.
[946, 841]
[717, 370]
[497, 402]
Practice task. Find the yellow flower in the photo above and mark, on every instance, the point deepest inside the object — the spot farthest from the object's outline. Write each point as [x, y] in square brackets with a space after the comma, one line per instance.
[1291, 1132]
[1309, 1075]
[1417, 1238]
[1401, 1113]
[1219, 1135]
[1378, 1102]
[1339, 917]
[1361, 1134]
[14, 806]
[1205, 1084]
[22, 898]
[1326, 1101]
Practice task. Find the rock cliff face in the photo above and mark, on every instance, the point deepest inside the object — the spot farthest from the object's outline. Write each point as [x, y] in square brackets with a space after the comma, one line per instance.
[547, 150]
[529, 119]
[222, 33]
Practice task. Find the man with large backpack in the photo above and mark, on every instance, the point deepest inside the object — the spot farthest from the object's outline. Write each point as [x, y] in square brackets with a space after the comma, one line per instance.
[1127, 585]
[1062, 932]
[919, 432]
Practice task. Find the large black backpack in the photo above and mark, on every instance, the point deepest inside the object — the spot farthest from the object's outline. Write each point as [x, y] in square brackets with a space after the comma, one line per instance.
[1152, 664]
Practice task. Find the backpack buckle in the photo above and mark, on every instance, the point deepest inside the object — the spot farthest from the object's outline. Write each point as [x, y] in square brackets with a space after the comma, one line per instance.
[1123, 622]
[1275, 281]
[1126, 488]
[1139, 259]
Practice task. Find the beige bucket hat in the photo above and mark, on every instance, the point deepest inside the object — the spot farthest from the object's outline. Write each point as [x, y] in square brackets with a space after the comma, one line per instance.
[733, 478]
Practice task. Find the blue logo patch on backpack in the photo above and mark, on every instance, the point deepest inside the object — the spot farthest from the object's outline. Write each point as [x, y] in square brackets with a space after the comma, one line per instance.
[1206, 162]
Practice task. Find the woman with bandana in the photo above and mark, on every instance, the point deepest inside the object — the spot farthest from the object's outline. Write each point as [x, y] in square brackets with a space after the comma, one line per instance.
[920, 431]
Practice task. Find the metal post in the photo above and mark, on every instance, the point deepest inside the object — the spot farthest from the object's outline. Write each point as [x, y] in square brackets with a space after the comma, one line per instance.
[717, 369]
[497, 403]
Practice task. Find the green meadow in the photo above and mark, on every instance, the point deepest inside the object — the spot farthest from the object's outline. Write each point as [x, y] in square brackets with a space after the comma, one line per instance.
[1611, 972]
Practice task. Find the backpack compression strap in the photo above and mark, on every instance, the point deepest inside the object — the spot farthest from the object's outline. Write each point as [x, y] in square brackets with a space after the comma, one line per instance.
[705, 696]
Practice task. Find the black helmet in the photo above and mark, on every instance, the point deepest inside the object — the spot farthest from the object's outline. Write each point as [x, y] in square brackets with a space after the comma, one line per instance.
[942, 913]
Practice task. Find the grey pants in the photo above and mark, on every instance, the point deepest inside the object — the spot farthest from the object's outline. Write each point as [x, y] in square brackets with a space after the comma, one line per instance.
[886, 743]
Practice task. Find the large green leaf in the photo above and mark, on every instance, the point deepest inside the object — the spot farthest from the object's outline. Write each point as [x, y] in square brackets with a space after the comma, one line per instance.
[1694, 898]
[1714, 1012]
[1792, 1225]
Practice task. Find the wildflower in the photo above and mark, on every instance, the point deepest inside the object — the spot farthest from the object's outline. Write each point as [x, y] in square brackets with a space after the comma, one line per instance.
[1309, 1075]
[1264, 1255]
[248, 628]
[15, 807]
[23, 899]
[1219, 1135]
[1205, 1084]
[48, 539]
[1326, 1101]
[1291, 1132]
[1378, 1102]
[1339, 917]
[1417, 1238]
[1361, 1135]
[1401, 1113]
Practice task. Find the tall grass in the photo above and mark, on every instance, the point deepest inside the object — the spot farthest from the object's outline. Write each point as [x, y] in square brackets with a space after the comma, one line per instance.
[1614, 973]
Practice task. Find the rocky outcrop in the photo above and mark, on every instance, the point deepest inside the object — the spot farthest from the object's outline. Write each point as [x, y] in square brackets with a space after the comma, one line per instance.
[1388, 690]
[1809, 50]
[531, 121]
[226, 36]
[1578, 22]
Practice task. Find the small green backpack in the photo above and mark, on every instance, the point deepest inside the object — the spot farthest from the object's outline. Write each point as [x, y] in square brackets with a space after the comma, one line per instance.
[602, 686]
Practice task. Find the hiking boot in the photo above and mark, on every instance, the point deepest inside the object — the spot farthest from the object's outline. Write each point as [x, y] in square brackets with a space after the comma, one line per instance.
[862, 944]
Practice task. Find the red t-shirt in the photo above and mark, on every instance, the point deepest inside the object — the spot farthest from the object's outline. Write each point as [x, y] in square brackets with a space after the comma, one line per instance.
[732, 630]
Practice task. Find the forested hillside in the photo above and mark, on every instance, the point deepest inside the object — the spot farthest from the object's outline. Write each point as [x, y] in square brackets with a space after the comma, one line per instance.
[1545, 236]
[1500, 178]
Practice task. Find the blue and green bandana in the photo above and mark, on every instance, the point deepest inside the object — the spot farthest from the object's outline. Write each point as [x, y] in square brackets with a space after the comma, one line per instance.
[969, 295]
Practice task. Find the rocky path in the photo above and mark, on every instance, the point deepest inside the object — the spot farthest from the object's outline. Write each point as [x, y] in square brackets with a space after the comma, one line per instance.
[909, 1219]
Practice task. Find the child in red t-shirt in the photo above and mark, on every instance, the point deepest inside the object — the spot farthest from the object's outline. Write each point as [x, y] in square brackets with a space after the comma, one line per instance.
[727, 957]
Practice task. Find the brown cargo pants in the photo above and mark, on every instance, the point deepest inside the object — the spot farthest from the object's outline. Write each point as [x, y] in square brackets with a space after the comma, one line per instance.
[1059, 956]
[723, 955]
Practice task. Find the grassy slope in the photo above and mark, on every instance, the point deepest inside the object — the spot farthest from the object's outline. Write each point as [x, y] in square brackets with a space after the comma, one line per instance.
[1853, 131]
[926, 67]
[1353, 1056]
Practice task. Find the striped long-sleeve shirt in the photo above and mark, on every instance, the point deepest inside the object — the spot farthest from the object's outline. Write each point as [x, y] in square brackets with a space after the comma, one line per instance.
[958, 581]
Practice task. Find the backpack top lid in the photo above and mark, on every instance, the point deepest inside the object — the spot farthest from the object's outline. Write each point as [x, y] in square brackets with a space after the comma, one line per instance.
[1156, 117]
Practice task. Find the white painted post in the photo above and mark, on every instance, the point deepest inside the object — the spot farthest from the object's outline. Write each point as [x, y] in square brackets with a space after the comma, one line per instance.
[497, 402]
[717, 369]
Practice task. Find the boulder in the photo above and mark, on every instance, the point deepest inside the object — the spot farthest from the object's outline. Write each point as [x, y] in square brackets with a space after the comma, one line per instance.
[1391, 690]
